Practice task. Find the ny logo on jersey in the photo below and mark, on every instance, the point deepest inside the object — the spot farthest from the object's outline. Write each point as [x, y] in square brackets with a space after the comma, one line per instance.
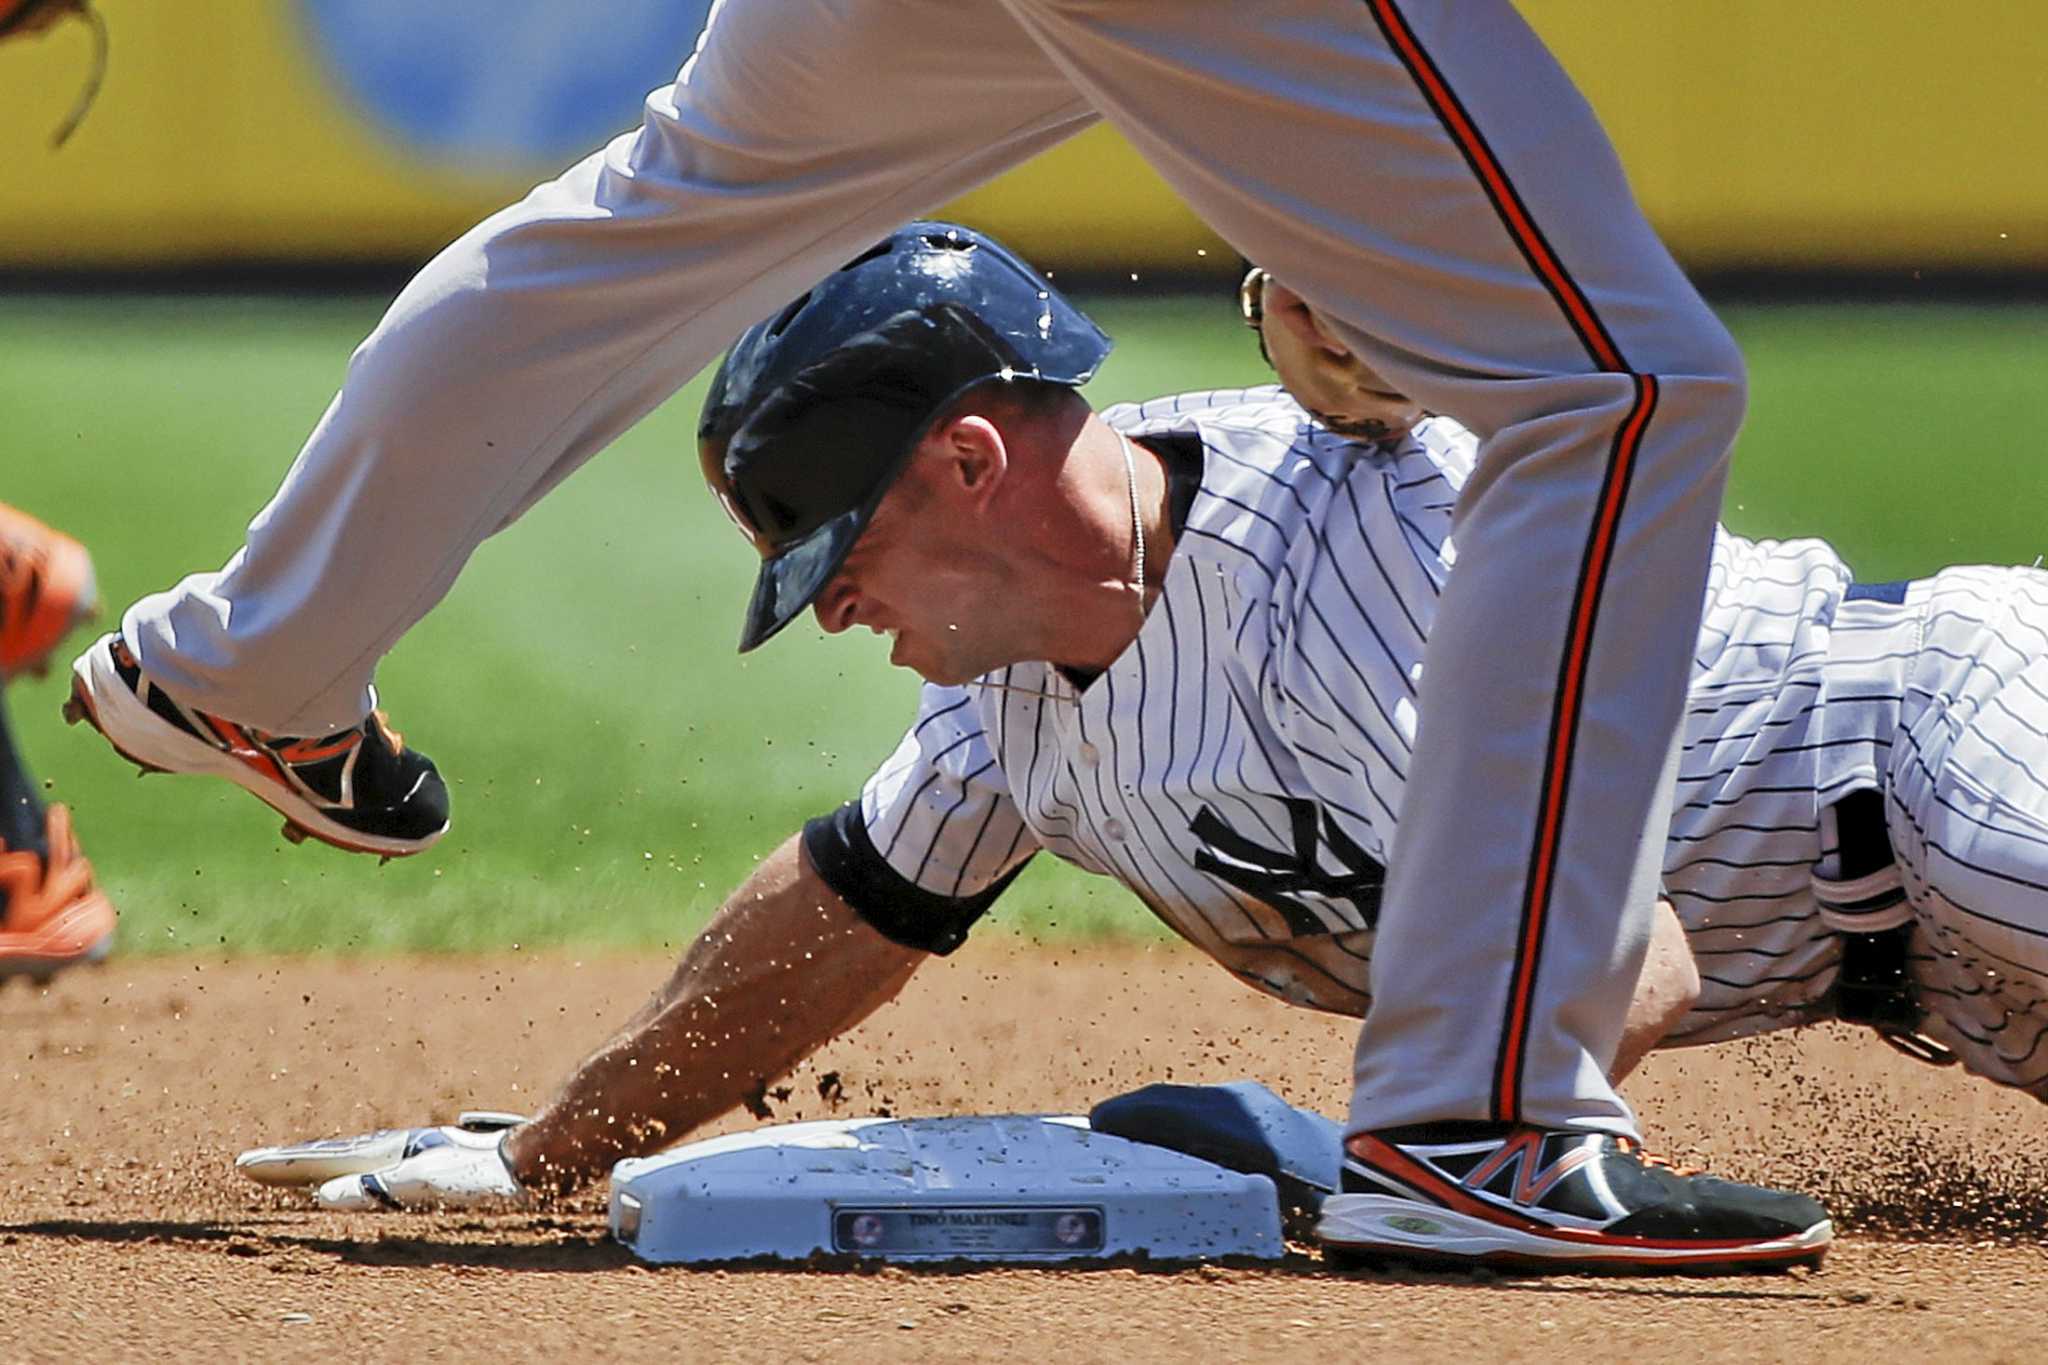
[1276, 876]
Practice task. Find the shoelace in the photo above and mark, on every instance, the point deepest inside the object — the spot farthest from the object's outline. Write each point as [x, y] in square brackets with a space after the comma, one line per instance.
[1650, 1158]
[311, 749]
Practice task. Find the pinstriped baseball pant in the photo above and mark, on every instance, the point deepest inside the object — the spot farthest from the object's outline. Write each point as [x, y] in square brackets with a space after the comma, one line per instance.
[1967, 811]
[1422, 171]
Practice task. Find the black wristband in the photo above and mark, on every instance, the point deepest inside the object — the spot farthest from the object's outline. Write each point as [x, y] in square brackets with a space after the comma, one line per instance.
[894, 906]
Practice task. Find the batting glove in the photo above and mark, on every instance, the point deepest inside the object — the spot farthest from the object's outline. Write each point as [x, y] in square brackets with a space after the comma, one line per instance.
[459, 1166]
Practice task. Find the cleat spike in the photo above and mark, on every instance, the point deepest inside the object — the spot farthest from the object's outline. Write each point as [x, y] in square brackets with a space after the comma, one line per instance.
[293, 833]
[74, 710]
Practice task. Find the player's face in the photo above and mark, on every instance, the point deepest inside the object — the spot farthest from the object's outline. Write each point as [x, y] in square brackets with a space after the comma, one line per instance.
[923, 574]
[1343, 392]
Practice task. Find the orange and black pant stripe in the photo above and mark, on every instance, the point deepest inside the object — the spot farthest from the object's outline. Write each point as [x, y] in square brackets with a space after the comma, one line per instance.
[1566, 710]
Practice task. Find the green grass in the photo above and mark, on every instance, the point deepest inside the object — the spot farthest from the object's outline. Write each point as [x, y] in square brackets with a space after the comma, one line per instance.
[616, 767]
[1911, 437]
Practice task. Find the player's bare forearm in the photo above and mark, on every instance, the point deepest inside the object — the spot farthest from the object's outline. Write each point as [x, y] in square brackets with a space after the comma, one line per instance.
[783, 967]
[1665, 992]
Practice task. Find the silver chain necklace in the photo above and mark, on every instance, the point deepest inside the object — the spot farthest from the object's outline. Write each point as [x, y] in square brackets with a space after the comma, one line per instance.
[1137, 521]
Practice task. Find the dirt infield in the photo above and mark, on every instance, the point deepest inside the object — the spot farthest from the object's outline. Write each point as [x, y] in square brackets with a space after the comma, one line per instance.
[129, 1088]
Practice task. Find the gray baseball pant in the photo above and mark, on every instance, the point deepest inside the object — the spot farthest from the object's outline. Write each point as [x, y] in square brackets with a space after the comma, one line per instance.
[1420, 169]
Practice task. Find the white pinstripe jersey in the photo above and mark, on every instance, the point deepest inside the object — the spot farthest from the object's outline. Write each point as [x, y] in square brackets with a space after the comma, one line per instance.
[1240, 766]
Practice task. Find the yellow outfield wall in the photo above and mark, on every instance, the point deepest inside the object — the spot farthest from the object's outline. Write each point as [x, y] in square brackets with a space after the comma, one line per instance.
[1796, 133]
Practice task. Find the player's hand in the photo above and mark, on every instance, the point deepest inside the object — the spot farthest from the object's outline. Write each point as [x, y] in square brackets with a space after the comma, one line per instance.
[457, 1166]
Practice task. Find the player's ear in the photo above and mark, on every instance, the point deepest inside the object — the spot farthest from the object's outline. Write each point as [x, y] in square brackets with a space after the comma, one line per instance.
[973, 456]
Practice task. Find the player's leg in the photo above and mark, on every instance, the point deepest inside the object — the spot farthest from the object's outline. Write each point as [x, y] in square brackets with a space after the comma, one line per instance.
[1426, 174]
[801, 132]
[51, 913]
[1967, 812]
[1557, 326]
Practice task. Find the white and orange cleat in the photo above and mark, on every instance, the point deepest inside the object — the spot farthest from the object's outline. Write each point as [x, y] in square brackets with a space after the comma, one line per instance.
[359, 789]
[52, 914]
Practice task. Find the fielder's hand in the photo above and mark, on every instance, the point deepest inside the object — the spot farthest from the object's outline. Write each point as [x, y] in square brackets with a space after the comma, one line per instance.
[399, 1168]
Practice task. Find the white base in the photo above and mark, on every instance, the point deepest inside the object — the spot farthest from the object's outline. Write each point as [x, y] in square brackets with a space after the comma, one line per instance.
[1016, 1189]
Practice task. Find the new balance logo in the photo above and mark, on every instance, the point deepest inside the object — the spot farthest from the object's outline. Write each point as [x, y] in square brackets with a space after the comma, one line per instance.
[1532, 1179]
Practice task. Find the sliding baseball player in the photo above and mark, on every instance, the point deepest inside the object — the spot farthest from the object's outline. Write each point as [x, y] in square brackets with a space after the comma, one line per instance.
[1859, 831]
[1177, 644]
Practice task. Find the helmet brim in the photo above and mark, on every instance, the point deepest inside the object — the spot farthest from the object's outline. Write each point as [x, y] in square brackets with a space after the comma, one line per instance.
[793, 577]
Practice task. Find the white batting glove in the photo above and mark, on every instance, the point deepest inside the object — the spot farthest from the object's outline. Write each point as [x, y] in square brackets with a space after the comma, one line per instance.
[458, 1166]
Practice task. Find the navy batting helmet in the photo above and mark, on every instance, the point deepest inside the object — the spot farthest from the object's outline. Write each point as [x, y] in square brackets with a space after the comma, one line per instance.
[816, 411]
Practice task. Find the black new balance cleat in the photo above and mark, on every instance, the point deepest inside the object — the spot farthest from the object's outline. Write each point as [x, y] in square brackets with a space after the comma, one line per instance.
[1470, 1194]
[360, 789]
